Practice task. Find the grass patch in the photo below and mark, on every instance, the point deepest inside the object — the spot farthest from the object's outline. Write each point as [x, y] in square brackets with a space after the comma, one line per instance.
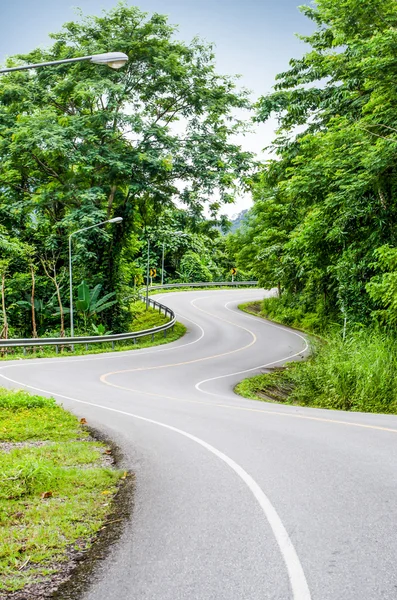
[355, 374]
[143, 319]
[55, 491]
[24, 417]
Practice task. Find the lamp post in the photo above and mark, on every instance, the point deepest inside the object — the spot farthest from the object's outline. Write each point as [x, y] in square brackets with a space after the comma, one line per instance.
[147, 273]
[114, 220]
[162, 266]
[114, 60]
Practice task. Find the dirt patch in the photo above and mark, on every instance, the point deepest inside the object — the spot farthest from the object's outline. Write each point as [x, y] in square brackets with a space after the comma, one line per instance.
[254, 308]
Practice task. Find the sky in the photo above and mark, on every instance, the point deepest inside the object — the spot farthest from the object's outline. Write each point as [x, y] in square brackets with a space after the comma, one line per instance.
[253, 38]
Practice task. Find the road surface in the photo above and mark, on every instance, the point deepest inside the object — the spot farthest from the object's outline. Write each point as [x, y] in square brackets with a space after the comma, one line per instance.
[235, 499]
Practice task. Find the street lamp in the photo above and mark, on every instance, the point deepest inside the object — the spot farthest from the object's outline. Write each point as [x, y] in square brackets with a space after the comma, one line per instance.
[177, 233]
[114, 60]
[114, 220]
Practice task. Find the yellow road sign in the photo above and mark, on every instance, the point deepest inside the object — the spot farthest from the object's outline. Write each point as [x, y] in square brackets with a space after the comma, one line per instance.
[152, 272]
[233, 271]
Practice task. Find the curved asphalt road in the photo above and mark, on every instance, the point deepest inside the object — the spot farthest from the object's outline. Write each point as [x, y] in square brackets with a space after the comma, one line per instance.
[235, 499]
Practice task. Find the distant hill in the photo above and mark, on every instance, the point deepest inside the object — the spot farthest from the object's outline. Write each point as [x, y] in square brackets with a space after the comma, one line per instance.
[238, 220]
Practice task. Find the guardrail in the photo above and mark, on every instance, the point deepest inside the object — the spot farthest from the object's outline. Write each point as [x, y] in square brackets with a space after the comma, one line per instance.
[95, 339]
[118, 337]
[203, 284]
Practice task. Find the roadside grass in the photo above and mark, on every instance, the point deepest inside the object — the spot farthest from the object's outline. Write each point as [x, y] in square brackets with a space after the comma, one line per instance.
[355, 374]
[143, 319]
[267, 309]
[56, 489]
[24, 417]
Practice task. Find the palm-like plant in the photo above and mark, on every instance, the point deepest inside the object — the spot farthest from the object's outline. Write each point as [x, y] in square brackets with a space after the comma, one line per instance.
[89, 304]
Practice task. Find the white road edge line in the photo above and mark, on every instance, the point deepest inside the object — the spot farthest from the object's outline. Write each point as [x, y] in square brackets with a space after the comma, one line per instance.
[275, 362]
[298, 582]
[107, 355]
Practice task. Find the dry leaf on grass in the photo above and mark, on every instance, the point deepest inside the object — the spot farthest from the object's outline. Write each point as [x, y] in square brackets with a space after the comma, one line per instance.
[46, 495]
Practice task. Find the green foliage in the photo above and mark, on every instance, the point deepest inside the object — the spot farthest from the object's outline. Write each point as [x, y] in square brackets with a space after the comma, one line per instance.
[89, 302]
[83, 293]
[193, 268]
[74, 154]
[36, 423]
[325, 203]
[290, 310]
[100, 329]
[383, 288]
[358, 374]
[323, 228]
[21, 400]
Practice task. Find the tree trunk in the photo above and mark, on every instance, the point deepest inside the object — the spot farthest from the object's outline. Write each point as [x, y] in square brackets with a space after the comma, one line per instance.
[4, 331]
[52, 265]
[279, 289]
[113, 189]
[60, 309]
[382, 199]
[34, 328]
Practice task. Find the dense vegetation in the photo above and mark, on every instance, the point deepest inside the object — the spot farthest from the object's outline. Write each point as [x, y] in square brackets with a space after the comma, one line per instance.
[324, 224]
[323, 228]
[357, 371]
[80, 144]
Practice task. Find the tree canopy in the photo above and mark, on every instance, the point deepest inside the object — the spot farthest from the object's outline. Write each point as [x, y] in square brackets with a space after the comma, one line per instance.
[81, 143]
[324, 222]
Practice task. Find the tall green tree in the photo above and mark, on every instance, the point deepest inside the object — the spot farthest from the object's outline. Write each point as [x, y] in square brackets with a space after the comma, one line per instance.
[82, 143]
[332, 181]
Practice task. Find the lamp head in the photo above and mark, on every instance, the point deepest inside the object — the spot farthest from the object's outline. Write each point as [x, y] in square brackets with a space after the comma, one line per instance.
[115, 220]
[114, 60]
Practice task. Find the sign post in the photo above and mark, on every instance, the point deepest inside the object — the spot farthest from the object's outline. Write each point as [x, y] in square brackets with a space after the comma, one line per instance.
[233, 271]
[152, 274]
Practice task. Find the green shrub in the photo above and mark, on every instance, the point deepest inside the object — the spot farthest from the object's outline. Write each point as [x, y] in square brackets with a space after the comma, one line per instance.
[358, 374]
[20, 400]
[294, 310]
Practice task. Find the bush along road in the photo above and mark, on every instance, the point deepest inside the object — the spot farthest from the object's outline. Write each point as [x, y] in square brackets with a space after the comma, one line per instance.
[355, 372]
